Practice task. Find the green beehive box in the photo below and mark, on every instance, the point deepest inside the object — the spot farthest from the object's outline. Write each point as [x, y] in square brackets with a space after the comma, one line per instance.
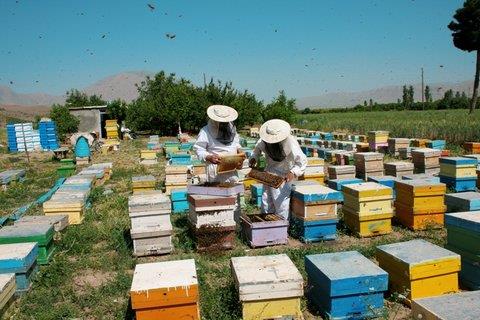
[66, 170]
[42, 234]
[67, 161]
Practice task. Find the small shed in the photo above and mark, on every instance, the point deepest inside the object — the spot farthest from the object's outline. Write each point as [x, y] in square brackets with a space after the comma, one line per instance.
[92, 119]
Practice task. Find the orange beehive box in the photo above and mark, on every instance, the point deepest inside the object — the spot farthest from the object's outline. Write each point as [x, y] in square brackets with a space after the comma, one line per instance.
[472, 147]
[165, 290]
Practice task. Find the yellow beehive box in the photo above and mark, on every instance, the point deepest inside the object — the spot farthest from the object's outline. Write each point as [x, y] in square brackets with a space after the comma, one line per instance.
[148, 154]
[366, 208]
[378, 136]
[368, 226]
[457, 171]
[270, 309]
[419, 269]
[313, 161]
[421, 203]
[420, 188]
[317, 177]
[368, 191]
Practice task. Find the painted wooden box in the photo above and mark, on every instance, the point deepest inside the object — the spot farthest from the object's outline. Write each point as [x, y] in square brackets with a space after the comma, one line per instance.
[165, 290]
[313, 230]
[395, 144]
[462, 305]
[7, 289]
[341, 172]
[398, 169]
[74, 209]
[269, 287]
[368, 161]
[345, 285]
[367, 199]
[337, 184]
[214, 238]
[463, 237]
[460, 184]
[419, 269]
[472, 147]
[153, 201]
[59, 222]
[425, 158]
[20, 259]
[216, 189]
[369, 225]
[262, 230]
[143, 183]
[41, 234]
[421, 176]
[463, 201]
[179, 200]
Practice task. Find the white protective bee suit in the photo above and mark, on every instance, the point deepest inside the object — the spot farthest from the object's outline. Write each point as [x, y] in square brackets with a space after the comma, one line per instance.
[278, 200]
[207, 144]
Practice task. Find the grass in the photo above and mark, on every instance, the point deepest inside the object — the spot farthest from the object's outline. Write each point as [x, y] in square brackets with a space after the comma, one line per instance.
[455, 126]
[91, 272]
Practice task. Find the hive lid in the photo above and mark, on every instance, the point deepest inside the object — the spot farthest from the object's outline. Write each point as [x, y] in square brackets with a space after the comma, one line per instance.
[469, 220]
[367, 190]
[426, 152]
[462, 305]
[367, 156]
[266, 277]
[399, 165]
[469, 200]
[167, 274]
[459, 161]
[316, 192]
[41, 233]
[17, 257]
[421, 187]
[345, 273]
[152, 198]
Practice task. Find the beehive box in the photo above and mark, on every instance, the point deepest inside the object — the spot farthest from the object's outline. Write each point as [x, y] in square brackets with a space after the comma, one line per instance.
[20, 259]
[111, 127]
[367, 208]
[395, 144]
[378, 136]
[7, 289]
[261, 230]
[398, 168]
[463, 237]
[313, 174]
[143, 183]
[436, 144]
[426, 160]
[165, 290]
[179, 200]
[366, 162]
[41, 234]
[345, 285]
[256, 194]
[314, 230]
[462, 305]
[315, 202]
[59, 222]
[362, 147]
[472, 147]
[462, 201]
[420, 204]
[419, 269]
[458, 167]
[276, 295]
[337, 184]
[315, 161]
[59, 206]
[420, 143]
[341, 172]
[216, 189]
[152, 236]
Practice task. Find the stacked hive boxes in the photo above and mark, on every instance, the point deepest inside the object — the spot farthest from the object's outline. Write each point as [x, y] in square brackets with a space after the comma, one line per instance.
[111, 127]
[378, 140]
[462, 305]
[368, 164]
[458, 173]
[341, 172]
[426, 160]
[395, 144]
[169, 147]
[148, 157]
[48, 135]
[278, 293]
[436, 144]
[346, 285]
[314, 170]
[11, 138]
[212, 219]
[257, 191]
[165, 290]
[7, 289]
[143, 183]
[41, 234]
[176, 177]
[420, 203]
[153, 143]
[463, 237]
[179, 200]
[472, 147]
[367, 208]
[314, 212]
[151, 229]
[398, 168]
[362, 147]
[337, 184]
[24, 136]
[20, 259]
[419, 269]
[463, 201]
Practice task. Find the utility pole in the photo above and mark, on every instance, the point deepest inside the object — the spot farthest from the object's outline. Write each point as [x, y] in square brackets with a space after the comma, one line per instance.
[204, 81]
[423, 89]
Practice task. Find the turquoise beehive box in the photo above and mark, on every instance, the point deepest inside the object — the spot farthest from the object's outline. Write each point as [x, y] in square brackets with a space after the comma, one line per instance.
[82, 150]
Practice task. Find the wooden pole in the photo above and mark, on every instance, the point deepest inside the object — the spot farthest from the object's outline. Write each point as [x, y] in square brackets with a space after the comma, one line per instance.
[25, 145]
[423, 89]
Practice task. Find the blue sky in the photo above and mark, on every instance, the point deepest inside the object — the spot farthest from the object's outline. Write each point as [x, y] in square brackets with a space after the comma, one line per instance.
[304, 47]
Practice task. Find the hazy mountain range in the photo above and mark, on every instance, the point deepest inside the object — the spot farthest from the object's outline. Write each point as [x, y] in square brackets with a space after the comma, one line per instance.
[122, 85]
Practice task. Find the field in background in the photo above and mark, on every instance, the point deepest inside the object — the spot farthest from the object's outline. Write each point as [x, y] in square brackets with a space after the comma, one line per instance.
[455, 126]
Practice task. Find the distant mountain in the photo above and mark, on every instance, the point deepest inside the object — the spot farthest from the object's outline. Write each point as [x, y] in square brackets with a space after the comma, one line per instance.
[381, 95]
[120, 85]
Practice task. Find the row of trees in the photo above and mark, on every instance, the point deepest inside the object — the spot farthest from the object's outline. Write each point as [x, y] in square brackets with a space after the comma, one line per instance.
[166, 102]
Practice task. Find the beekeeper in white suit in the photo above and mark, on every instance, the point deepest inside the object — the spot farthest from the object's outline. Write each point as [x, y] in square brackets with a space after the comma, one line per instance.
[219, 137]
[284, 158]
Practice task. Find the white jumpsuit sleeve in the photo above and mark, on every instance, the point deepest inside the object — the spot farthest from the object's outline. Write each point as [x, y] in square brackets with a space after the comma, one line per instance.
[200, 146]
[300, 159]
[257, 151]
[236, 142]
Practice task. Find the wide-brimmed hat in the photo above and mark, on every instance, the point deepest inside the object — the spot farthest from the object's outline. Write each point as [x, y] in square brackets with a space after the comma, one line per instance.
[221, 113]
[274, 131]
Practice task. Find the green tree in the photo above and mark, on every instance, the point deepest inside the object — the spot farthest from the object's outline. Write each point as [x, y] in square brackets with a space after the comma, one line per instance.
[76, 98]
[117, 109]
[466, 36]
[405, 97]
[65, 121]
[428, 94]
[280, 108]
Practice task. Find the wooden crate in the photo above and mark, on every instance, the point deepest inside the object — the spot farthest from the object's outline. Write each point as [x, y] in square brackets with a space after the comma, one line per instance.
[7, 289]
[262, 230]
[277, 295]
[462, 305]
[420, 143]
[212, 202]
[395, 144]
[314, 211]
[152, 201]
[368, 161]
[20, 259]
[42, 234]
[165, 290]
[346, 285]
[419, 269]
[460, 184]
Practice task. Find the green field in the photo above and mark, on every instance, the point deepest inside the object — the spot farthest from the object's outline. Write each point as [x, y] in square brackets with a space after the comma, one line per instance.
[455, 126]
[92, 269]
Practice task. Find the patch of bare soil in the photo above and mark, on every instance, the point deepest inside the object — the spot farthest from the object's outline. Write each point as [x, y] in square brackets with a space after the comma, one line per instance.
[91, 279]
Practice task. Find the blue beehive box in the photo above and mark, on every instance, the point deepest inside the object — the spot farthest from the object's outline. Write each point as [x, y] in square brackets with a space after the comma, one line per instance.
[306, 151]
[178, 159]
[21, 259]
[436, 144]
[327, 136]
[346, 285]
[257, 191]
[315, 193]
[460, 184]
[337, 184]
[313, 231]
[179, 200]
[462, 201]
